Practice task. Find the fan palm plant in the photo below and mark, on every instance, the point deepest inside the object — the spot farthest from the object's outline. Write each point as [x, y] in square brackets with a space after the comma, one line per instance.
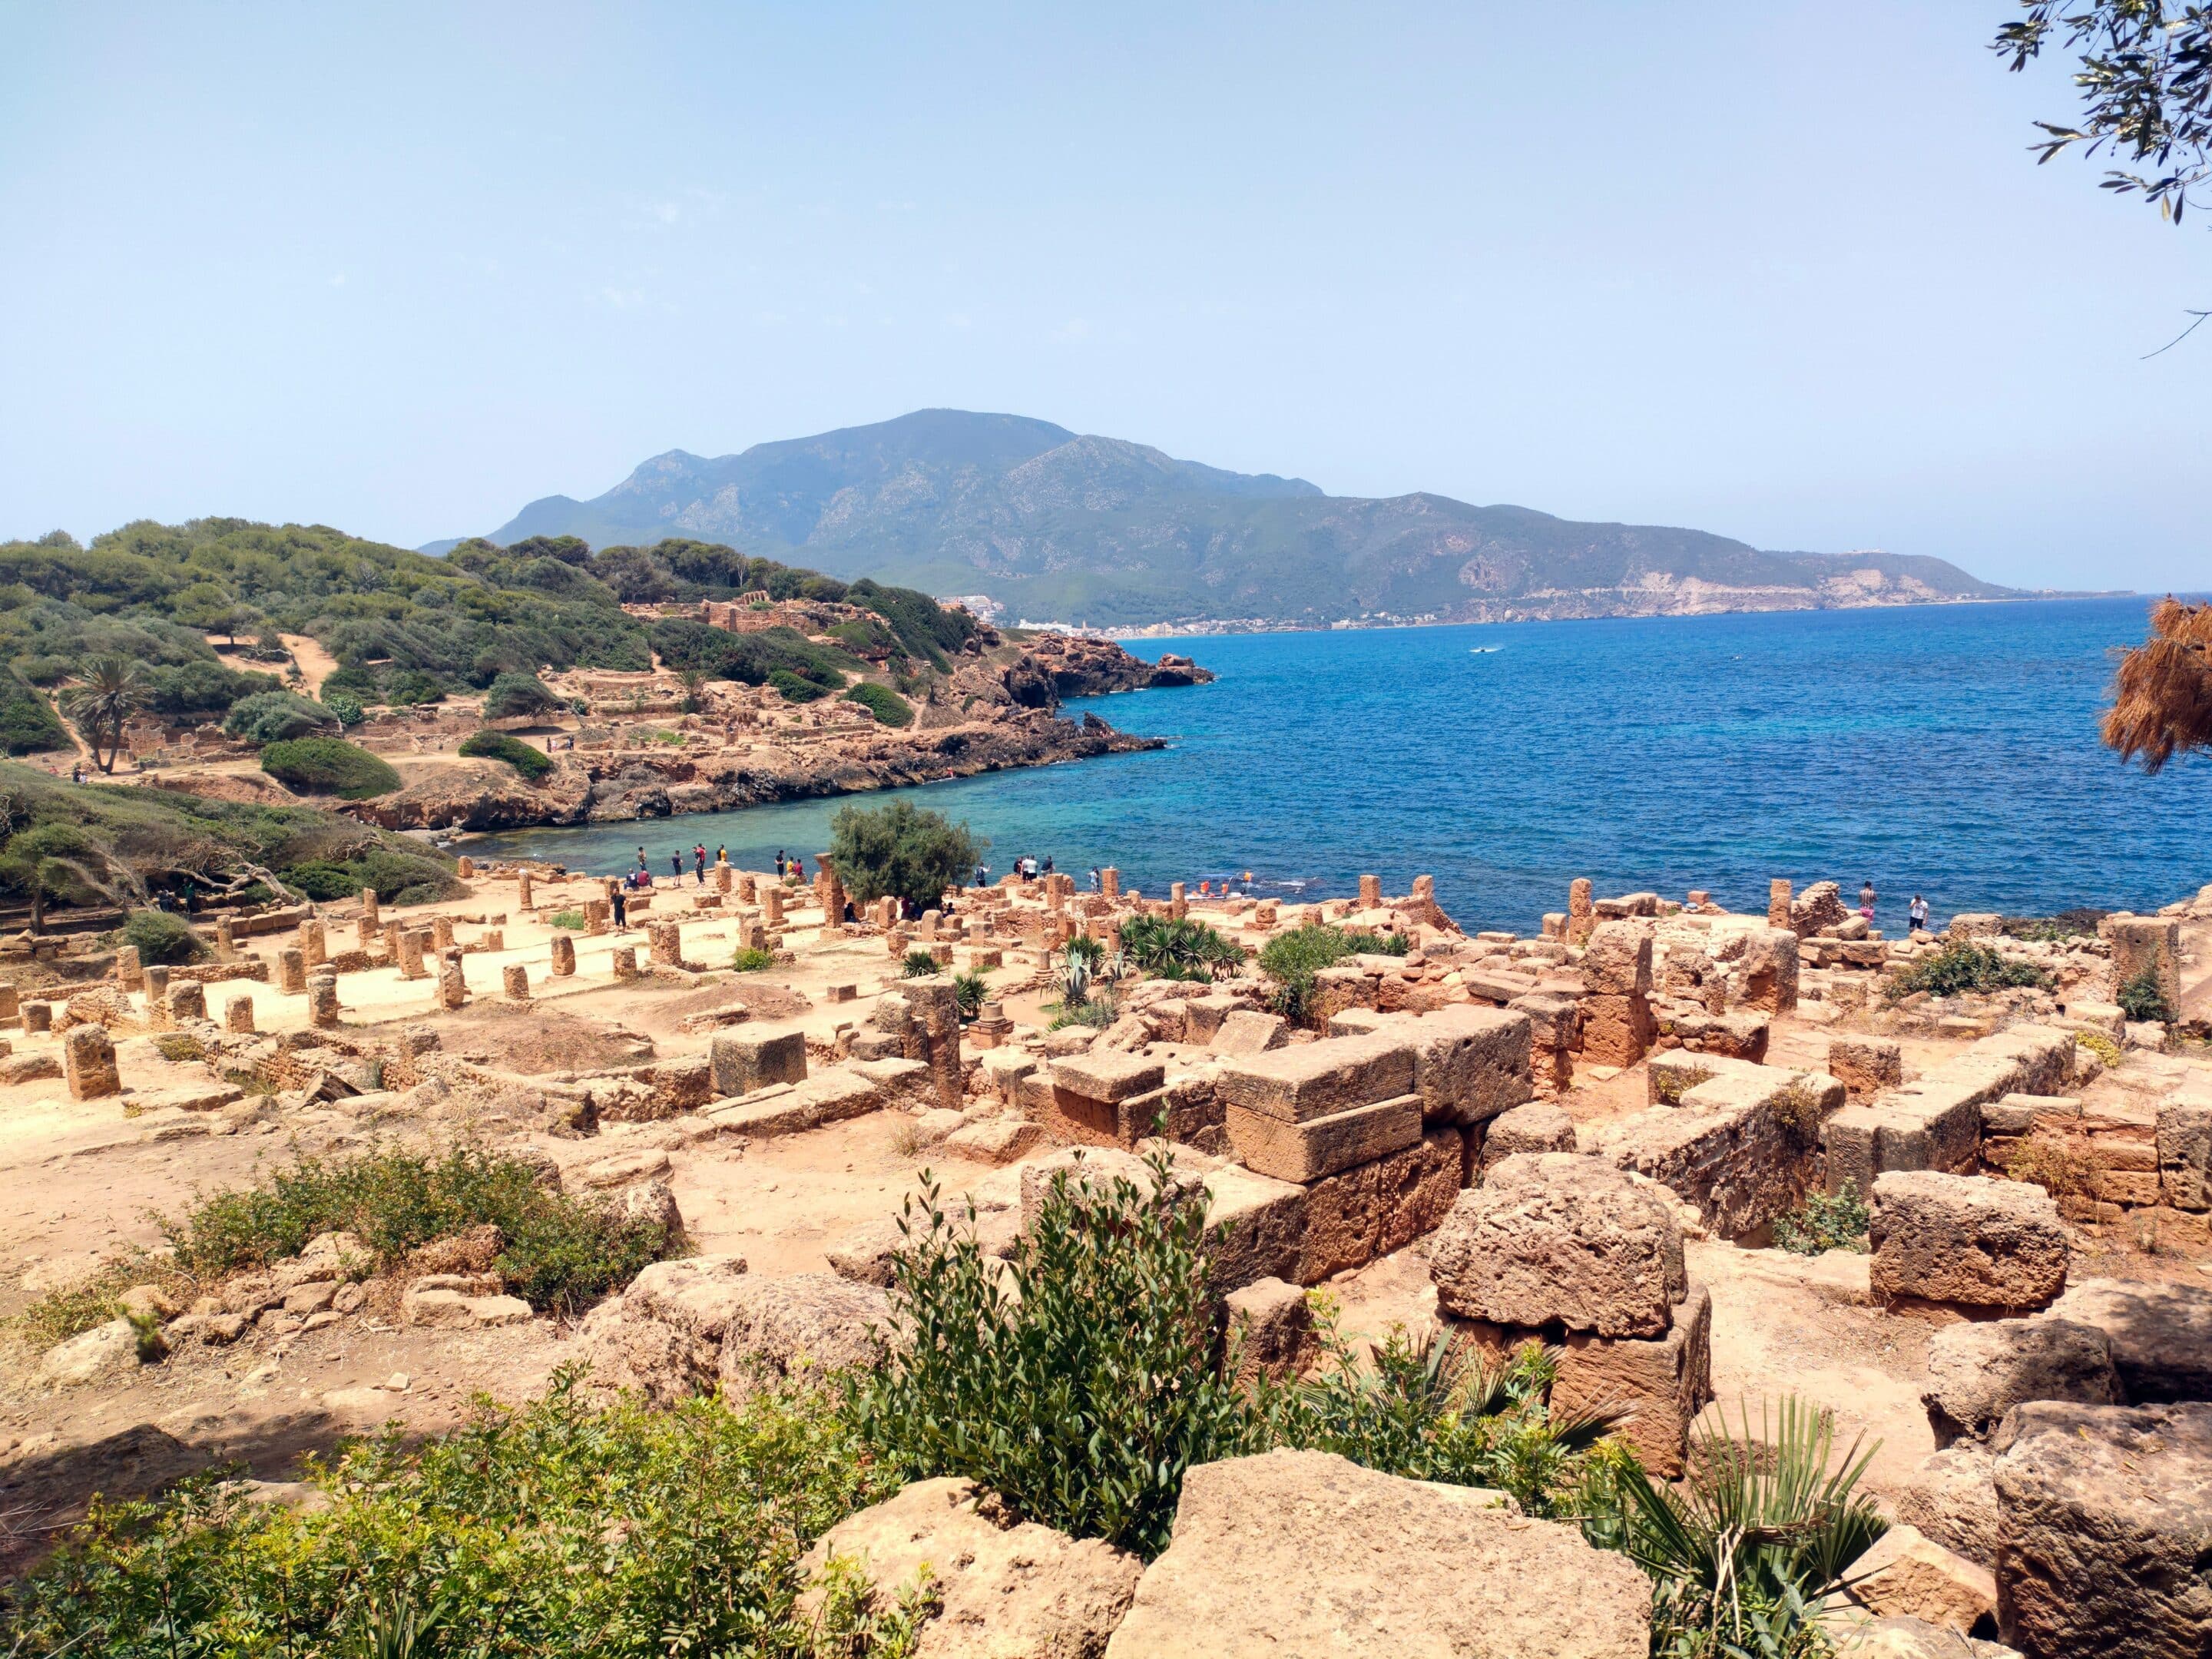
[101, 702]
[2162, 696]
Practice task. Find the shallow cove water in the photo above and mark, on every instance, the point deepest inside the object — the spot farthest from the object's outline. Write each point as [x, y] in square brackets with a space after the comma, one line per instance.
[1950, 751]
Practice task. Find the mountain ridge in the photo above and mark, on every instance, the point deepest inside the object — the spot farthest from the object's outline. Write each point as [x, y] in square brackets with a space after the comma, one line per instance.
[1046, 523]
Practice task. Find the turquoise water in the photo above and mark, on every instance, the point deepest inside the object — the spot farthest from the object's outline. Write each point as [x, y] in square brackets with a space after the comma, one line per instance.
[1950, 751]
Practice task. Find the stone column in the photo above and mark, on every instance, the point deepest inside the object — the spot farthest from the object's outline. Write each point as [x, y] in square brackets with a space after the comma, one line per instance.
[313, 950]
[38, 1016]
[666, 940]
[238, 1014]
[2146, 947]
[723, 875]
[1777, 902]
[130, 972]
[1616, 1016]
[624, 957]
[522, 891]
[226, 939]
[599, 917]
[468, 867]
[748, 889]
[323, 1001]
[88, 1063]
[453, 983]
[1178, 906]
[11, 1010]
[410, 954]
[188, 1001]
[392, 930]
[494, 938]
[1109, 882]
[157, 984]
[1582, 912]
[441, 932]
[515, 980]
[1370, 892]
[291, 971]
[368, 910]
[896, 942]
[772, 902]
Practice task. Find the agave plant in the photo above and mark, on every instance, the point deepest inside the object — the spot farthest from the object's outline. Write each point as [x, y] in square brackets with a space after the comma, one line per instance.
[1074, 972]
[1741, 1553]
[1171, 947]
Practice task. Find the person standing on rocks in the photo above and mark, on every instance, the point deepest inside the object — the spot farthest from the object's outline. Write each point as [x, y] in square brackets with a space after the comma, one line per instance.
[1866, 901]
[1917, 912]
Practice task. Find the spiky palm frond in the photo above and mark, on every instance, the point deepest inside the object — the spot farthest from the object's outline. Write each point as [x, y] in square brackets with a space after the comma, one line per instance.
[2162, 695]
[101, 701]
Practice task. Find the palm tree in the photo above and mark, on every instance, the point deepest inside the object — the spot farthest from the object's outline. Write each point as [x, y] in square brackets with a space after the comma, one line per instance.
[102, 702]
[2162, 697]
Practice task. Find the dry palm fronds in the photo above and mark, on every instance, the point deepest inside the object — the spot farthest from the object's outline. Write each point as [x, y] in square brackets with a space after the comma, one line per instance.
[2162, 695]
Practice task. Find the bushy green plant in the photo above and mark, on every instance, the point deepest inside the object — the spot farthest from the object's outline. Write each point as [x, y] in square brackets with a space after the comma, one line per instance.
[970, 992]
[752, 960]
[1096, 1012]
[559, 1252]
[2067, 924]
[532, 762]
[917, 964]
[794, 689]
[1430, 1409]
[162, 937]
[617, 1532]
[1741, 1552]
[2143, 998]
[329, 766]
[392, 872]
[1962, 967]
[344, 708]
[886, 705]
[2099, 1045]
[572, 920]
[274, 716]
[1839, 1221]
[1292, 959]
[901, 851]
[1077, 1380]
[513, 695]
[28, 725]
[1169, 947]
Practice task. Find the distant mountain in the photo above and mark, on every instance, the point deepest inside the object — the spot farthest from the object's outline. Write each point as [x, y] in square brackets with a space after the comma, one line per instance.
[1056, 525]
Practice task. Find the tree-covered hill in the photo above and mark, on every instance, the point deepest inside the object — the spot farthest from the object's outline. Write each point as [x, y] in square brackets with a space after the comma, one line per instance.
[405, 627]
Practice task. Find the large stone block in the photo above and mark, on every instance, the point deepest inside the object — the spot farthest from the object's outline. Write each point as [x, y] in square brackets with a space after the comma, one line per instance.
[806, 1325]
[999, 1586]
[2105, 1521]
[1617, 961]
[1616, 1030]
[1255, 1227]
[1909, 1575]
[1272, 1324]
[1668, 1379]
[744, 1061]
[1469, 1063]
[1953, 1498]
[1313, 1147]
[1107, 1074]
[1866, 1065]
[2184, 1151]
[1367, 1211]
[1764, 975]
[1979, 1372]
[1303, 1552]
[88, 1063]
[1248, 1031]
[1967, 1240]
[1538, 1127]
[1738, 1146]
[2161, 1334]
[1554, 1239]
[1319, 1079]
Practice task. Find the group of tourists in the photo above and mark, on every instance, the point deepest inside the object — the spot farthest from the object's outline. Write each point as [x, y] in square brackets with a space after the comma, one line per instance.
[1916, 913]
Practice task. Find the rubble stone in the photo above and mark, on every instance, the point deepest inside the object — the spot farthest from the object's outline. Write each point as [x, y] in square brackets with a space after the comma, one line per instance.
[1967, 1240]
[1538, 1128]
[1907, 1574]
[1953, 1498]
[1866, 1065]
[1979, 1372]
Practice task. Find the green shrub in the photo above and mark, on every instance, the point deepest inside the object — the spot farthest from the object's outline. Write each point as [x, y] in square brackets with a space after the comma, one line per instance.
[28, 725]
[73, 1309]
[2067, 924]
[1293, 958]
[532, 762]
[2143, 998]
[162, 937]
[329, 766]
[514, 695]
[1078, 1379]
[901, 851]
[270, 717]
[1823, 1222]
[1178, 948]
[560, 1253]
[1097, 1012]
[886, 705]
[344, 709]
[394, 874]
[794, 689]
[572, 919]
[178, 1047]
[917, 964]
[613, 1532]
[752, 961]
[1962, 967]
[970, 992]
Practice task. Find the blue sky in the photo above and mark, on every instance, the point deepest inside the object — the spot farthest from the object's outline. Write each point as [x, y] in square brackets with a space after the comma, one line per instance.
[1782, 271]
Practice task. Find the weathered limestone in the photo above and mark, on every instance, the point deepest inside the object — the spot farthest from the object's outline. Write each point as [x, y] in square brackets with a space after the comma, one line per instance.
[2160, 1333]
[323, 1001]
[522, 891]
[369, 919]
[1668, 1379]
[2184, 1151]
[1866, 1065]
[226, 940]
[1305, 1553]
[999, 1586]
[1370, 892]
[467, 867]
[292, 971]
[599, 917]
[453, 983]
[1765, 975]
[130, 972]
[564, 954]
[1469, 1063]
[1777, 904]
[238, 1014]
[1909, 1575]
[188, 1001]
[1936, 1123]
[313, 950]
[1272, 1324]
[2105, 1511]
[623, 959]
[1967, 1240]
[1307, 1150]
[745, 1060]
[1582, 913]
[1979, 1372]
[411, 953]
[1554, 1239]
[1540, 1127]
[514, 982]
[38, 1016]
[1737, 1144]
[394, 932]
[88, 1063]
[1248, 1031]
[1316, 1079]
[1952, 1498]
[442, 935]
[1088, 1092]
[2146, 946]
[665, 944]
[1616, 1014]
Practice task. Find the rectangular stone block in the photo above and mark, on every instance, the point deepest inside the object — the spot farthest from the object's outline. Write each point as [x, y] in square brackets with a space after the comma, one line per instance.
[1248, 1032]
[1469, 1064]
[1255, 1227]
[1668, 1379]
[1320, 1079]
[1967, 1240]
[2184, 1151]
[744, 1061]
[88, 1063]
[1365, 1213]
[1616, 1030]
[1108, 1075]
[1866, 1065]
[1309, 1149]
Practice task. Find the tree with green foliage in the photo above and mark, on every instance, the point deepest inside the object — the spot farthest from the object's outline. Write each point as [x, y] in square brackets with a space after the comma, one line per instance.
[270, 717]
[27, 723]
[329, 766]
[532, 762]
[514, 695]
[344, 709]
[158, 937]
[109, 694]
[901, 851]
[886, 705]
[54, 861]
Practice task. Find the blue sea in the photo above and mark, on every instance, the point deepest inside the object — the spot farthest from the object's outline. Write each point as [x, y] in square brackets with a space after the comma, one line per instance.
[1947, 750]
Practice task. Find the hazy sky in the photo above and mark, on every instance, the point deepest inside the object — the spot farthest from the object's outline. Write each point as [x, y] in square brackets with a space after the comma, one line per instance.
[1783, 272]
